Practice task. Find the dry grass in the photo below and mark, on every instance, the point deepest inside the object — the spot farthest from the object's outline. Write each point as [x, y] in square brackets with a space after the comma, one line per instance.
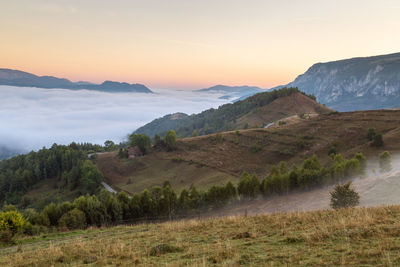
[208, 161]
[362, 236]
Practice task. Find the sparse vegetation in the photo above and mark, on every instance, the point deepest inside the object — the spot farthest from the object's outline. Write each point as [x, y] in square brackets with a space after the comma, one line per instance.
[255, 149]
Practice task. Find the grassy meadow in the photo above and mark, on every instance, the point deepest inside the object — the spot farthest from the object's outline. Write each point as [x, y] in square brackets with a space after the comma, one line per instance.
[356, 236]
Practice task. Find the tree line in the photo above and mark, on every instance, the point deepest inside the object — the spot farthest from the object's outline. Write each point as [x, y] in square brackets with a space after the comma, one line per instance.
[162, 202]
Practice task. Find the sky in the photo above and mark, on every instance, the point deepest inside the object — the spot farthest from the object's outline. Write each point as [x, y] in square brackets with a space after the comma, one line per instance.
[181, 44]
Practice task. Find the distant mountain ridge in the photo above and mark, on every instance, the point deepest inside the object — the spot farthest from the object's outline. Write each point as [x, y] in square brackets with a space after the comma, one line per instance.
[6, 152]
[354, 84]
[25, 79]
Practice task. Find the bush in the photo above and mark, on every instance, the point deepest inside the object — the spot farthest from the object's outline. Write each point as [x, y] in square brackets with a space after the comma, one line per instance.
[344, 196]
[255, 149]
[170, 140]
[377, 140]
[177, 160]
[218, 138]
[371, 133]
[332, 151]
[12, 221]
[123, 153]
[74, 219]
[385, 161]
[142, 141]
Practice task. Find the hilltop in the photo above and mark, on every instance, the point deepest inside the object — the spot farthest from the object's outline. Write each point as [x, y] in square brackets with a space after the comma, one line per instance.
[361, 83]
[217, 158]
[25, 79]
[229, 92]
[350, 237]
[250, 112]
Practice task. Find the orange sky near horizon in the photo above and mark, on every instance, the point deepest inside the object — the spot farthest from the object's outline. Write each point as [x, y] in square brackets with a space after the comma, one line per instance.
[181, 44]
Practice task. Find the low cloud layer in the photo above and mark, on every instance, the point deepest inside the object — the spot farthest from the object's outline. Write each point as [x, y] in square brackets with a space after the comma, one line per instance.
[31, 118]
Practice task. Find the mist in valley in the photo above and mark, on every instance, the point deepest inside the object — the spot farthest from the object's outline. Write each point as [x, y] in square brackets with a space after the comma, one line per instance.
[33, 117]
[376, 188]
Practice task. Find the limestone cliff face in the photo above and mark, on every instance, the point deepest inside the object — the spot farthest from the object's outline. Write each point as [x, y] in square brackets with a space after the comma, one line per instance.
[353, 84]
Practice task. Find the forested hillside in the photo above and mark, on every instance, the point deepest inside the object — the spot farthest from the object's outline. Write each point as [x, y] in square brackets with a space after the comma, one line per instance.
[69, 166]
[225, 118]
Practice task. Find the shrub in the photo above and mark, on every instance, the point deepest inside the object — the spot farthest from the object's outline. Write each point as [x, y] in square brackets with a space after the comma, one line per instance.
[170, 140]
[377, 140]
[12, 221]
[142, 141]
[177, 160]
[332, 151]
[344, 196]
[74, 219]
[123, 153]
[255, 149]
[363, 161]
[371, 133]
[385, 161]
[218, 138]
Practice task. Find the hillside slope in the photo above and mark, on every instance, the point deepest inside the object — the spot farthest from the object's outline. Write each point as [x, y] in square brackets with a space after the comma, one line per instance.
[354, 84]
[232, 116]
[255, 150]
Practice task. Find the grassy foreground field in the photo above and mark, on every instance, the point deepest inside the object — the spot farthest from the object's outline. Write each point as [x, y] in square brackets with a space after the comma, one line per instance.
[361, 236]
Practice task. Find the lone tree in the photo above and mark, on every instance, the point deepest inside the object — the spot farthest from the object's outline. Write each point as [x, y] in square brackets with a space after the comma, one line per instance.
[142, 141]
[344, 196]
[170, 140]
[385, 161]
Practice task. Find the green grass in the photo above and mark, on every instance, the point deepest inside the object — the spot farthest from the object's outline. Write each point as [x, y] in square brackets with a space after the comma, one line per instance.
[349, 237]
[46, 191]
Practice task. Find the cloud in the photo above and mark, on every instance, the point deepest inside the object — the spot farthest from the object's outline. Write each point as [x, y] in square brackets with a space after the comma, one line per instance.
[32, 117]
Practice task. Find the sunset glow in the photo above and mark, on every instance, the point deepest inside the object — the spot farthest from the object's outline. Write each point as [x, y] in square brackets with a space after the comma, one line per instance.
[191, 44]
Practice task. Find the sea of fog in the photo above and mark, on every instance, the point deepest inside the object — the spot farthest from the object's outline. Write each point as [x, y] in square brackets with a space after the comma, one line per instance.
[31, 118]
